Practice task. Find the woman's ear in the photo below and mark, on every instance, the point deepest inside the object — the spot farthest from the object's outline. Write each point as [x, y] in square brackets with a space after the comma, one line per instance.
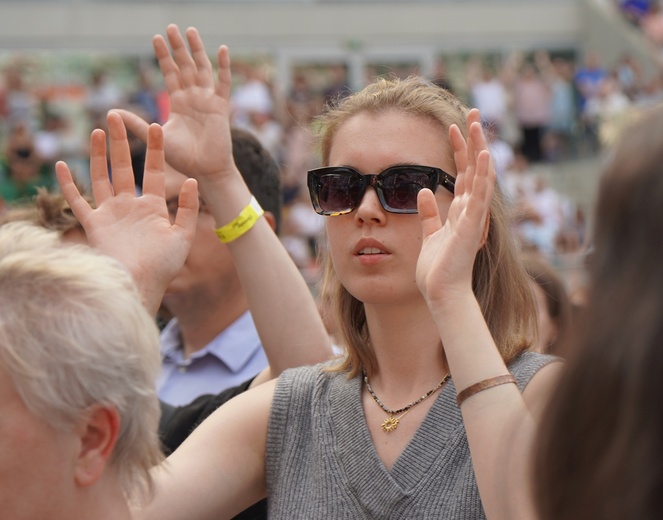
[98, 432]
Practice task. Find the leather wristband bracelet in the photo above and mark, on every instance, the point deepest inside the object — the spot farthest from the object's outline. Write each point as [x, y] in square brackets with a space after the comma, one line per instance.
[242, 223]
[484, 385]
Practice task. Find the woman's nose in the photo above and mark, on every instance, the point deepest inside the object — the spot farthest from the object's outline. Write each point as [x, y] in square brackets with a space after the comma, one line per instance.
[370, 208]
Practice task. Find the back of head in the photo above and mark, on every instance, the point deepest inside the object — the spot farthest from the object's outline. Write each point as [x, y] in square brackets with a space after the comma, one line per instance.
[48, 209]
[557, 302]
[259, 170]
[603, 434]
[73, 335]
[500, 282]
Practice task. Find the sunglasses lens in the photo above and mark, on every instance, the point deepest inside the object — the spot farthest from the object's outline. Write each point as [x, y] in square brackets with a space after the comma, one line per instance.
[400, 188]
[339, 192]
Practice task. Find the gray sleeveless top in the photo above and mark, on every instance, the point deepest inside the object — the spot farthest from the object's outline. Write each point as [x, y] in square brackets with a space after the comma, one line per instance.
[321, 462]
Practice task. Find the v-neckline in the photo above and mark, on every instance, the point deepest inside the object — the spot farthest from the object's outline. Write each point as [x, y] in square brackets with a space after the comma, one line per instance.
[354, 442]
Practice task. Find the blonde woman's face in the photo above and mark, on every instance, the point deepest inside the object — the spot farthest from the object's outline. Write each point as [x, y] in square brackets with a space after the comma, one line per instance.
[375, 252]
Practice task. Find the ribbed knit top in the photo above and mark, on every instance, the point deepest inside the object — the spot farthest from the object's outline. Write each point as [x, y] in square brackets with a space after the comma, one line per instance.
[321, 462]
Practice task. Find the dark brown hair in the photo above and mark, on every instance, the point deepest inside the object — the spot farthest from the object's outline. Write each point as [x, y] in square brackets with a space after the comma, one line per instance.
[600, 448]
[558, 303]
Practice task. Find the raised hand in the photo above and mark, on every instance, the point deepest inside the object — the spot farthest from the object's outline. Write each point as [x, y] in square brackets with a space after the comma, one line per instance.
[449, 247]
[135, 230]
[197, 133]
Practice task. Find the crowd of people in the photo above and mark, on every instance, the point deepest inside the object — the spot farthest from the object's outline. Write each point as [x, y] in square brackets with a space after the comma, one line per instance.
[646, 16]
[35, 134]
[443, 371]
[539, 108]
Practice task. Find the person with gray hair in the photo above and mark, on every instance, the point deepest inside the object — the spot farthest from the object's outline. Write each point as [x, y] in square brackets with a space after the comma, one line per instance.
[78, 358]
[79, 344]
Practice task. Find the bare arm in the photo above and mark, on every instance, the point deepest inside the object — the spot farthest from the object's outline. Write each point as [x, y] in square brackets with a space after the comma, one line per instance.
[444, 274]
[220, 469]
[198, 143]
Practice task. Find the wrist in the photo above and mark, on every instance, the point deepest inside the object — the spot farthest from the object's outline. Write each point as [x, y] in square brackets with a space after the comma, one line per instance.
[453, 301]
[241, 224]
[220, 179]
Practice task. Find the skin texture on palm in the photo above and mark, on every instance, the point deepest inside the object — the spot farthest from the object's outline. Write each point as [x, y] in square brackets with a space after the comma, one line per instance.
[135, 230]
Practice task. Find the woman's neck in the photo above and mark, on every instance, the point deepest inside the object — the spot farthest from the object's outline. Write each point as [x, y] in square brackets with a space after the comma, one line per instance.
[407, 347]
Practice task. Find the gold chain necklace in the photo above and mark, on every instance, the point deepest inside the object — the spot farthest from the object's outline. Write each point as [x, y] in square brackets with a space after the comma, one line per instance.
[391, 422]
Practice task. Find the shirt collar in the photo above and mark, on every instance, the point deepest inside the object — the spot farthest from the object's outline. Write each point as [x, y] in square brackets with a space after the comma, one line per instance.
[234, 346]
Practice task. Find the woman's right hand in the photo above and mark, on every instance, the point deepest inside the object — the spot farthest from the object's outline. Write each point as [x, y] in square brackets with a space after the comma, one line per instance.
[450, 246]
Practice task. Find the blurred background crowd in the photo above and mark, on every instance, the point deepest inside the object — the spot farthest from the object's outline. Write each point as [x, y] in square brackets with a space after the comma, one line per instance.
[547, 112]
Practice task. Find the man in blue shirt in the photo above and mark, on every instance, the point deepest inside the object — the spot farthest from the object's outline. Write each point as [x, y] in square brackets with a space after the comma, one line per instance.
[588, 82]
[589, 78]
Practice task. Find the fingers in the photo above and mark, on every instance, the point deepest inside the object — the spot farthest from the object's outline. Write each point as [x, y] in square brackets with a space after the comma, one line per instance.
[134, 123]
[484, 181]
[478, 208]
[154, 175]
[169, 70]
[483, 162]
[473, 117]
[100, 181]
[204, 72]
[428, 213]
[183, 59]
[76, 202]
[184, 67]
[459, 147]
[475, 137]
[187, 211]
[475, 179]
[122, 172]
[224, 84]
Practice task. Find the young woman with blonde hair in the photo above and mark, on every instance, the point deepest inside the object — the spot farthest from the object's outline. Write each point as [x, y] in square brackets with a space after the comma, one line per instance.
[431, 413]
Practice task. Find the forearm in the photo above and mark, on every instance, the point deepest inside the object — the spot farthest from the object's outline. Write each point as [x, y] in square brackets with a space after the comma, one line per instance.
[281, 303]
[491, 417]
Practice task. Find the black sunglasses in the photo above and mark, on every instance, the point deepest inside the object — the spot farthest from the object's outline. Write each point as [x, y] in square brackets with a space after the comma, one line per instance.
[337, 190]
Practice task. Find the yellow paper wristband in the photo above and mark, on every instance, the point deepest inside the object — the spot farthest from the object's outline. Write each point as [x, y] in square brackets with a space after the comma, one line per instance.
[244, 221]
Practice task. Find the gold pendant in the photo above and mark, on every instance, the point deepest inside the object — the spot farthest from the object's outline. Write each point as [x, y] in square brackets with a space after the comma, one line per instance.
[390, 424]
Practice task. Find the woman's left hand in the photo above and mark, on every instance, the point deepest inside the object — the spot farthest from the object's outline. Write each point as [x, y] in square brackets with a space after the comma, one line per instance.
[449, 247]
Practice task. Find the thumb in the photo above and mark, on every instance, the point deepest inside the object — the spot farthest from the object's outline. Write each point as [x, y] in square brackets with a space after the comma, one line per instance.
[134, 123]
[428, 213]
[187, 212]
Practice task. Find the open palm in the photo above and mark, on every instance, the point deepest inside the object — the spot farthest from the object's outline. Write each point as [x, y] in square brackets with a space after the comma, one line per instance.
[134, 230]
[197, 133]
[449, 248]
